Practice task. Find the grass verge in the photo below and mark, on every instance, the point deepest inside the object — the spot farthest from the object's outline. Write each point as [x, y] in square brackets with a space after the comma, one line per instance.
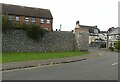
[27, 56]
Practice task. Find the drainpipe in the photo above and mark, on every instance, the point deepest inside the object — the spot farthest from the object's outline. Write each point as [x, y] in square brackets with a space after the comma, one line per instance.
[107, 43]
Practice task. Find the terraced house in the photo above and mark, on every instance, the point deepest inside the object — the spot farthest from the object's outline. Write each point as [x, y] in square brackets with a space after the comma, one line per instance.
[29, 15]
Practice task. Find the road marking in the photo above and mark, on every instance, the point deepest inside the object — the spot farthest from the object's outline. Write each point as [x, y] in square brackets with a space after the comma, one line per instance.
[114, 63]
[100, 54]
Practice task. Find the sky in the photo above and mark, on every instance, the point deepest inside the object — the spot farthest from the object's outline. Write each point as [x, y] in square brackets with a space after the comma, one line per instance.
[103, 13]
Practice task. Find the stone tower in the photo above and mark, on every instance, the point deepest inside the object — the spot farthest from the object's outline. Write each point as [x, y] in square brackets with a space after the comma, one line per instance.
[82, 38]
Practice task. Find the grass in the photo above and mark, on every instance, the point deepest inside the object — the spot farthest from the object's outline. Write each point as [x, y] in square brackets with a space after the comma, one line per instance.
[27, 56]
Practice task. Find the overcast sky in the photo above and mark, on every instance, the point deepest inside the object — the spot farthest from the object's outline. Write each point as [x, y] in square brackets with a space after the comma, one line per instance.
[103, 13]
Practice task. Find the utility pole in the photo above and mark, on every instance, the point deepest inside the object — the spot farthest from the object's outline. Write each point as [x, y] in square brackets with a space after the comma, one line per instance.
[107, 43]
[60, 27]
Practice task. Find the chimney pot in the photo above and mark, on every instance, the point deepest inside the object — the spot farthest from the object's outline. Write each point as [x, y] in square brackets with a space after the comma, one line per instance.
[77, 22]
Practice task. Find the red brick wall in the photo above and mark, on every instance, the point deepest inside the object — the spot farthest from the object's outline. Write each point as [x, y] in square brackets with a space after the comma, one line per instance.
[30, 19]
[38, 20]
[44, 25]
[22, 19]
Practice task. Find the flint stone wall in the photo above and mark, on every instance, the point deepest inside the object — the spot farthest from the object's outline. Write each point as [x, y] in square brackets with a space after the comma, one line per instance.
[82, 42]
[17, 41]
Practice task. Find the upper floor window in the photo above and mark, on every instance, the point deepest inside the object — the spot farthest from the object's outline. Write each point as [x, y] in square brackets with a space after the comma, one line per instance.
[17, 18]
[42, 20]
[118, 37]
[48, 21]
[33, 20]
[26, 19]
[10, 18]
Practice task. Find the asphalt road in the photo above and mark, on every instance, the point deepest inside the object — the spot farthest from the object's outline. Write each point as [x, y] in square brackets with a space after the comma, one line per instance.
[104, 67]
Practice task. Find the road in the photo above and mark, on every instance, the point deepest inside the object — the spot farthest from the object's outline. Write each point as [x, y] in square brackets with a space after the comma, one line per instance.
[104, 67]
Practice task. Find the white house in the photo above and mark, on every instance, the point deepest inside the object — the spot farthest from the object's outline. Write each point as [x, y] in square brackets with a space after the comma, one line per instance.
[114, 36]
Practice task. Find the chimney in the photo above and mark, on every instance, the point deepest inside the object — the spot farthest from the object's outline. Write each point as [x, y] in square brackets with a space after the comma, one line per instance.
[77, 24]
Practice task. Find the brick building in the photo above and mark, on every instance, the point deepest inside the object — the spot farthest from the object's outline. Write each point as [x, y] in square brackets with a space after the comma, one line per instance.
[29, 15]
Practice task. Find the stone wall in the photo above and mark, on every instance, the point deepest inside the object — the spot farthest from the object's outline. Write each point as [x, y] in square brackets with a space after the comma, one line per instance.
[17, 40]
[82, 41]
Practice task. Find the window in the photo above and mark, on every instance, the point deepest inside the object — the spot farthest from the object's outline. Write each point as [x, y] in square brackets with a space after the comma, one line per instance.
[45, 28]
[10, 17]
[33, 20]
[118, 37]
[41, 20]
[26, 19]
[17, 18]
[48, 21]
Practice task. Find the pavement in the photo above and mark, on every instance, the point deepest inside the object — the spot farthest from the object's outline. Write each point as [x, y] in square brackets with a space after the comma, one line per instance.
[36, 63]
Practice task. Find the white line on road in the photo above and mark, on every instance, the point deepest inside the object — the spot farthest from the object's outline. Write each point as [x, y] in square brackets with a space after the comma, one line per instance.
[100, 54]
[114, 63]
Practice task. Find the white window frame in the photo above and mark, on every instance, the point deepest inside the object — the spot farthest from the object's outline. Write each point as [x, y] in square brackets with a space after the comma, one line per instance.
[48, 21]
[42, 20]
[34, 20]
[27, 19]
[17, 18]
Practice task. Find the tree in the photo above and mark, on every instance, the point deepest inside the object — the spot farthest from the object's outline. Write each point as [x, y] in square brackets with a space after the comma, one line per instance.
[117, 45]
[6, 23]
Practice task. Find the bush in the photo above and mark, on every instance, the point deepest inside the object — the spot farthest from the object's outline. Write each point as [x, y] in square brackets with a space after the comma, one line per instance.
[6, 24]
[111, 48]
[117, 45]
[34, 32]
[18, 25]
[10, 24]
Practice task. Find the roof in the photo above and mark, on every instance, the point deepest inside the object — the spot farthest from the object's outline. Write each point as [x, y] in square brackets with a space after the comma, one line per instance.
[111, 29]
[91, 28]
[103, 32]
[26, 11]
[85, 26]
[116, 31]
